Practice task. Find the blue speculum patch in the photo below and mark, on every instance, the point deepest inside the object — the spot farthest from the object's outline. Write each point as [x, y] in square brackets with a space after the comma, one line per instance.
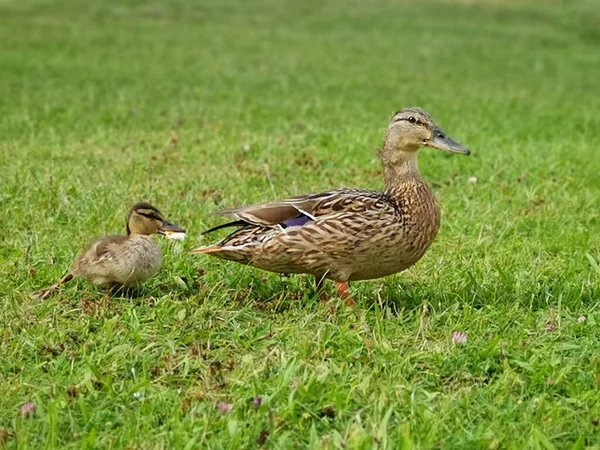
[297, 222]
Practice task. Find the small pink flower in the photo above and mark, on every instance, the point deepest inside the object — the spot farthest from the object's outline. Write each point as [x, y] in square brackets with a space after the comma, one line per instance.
[257, 402]
[225, 408]
[581, 319]
[28, 409]
[459, 337]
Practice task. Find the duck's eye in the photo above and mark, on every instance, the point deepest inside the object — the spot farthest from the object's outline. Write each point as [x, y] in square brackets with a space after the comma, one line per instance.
[411, 119]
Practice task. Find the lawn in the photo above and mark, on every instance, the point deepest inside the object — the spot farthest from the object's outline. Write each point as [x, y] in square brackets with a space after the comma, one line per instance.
[196, 106]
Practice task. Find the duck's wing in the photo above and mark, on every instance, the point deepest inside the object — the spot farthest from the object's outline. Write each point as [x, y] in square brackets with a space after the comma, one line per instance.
[298, 210]
[334, 215]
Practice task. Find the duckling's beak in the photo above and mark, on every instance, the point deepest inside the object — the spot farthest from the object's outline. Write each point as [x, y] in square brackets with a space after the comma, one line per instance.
[168, 228]
[442, 141]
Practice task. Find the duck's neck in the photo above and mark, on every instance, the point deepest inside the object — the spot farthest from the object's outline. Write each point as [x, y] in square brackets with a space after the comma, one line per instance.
[400, 169]
[138, 236]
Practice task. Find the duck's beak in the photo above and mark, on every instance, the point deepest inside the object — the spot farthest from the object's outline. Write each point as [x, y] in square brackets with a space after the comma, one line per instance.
[168, 228]
[442, 141]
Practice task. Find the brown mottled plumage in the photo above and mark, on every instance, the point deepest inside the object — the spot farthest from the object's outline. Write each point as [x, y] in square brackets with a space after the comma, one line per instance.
[125, 261]
[347, 234]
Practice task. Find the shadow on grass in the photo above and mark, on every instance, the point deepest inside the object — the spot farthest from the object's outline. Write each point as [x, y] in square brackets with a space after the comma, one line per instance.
[480, 290]
[270, 292]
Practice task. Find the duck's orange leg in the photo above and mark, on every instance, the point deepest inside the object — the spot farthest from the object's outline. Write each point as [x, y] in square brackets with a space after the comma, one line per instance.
[344, 292]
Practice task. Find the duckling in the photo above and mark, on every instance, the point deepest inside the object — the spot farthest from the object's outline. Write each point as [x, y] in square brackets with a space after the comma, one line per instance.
[126, 261]
[347, 234]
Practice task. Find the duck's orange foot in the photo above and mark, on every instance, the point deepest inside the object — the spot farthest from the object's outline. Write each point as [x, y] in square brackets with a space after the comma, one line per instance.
[344, 293]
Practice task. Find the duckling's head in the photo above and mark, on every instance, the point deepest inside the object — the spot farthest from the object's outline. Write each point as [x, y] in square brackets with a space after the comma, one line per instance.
[145, 219]
[412, 128]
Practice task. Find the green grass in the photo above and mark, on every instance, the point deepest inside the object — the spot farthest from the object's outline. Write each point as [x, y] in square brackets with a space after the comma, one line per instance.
[103, 104]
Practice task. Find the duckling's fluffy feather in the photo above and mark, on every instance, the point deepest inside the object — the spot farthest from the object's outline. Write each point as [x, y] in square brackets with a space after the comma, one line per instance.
[125, 260]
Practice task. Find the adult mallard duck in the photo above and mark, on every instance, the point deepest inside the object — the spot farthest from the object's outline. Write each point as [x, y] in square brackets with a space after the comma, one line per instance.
[347, 234]
[126, 261]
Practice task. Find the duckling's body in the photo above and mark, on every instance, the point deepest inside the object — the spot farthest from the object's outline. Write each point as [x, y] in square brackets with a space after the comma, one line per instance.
[126, 261]
[347, 234]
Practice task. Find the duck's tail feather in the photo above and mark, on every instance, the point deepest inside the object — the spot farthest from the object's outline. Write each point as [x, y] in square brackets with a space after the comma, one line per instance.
[209, 249]
[237, 223]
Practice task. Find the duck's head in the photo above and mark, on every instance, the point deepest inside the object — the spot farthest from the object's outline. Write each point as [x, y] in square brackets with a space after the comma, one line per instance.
[145, 219]
[412, 128]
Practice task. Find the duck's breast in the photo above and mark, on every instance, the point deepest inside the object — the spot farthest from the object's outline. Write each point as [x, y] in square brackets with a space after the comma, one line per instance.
[401, 243]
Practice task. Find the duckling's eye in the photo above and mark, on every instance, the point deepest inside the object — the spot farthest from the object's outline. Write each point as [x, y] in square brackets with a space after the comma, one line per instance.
[411, 119]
